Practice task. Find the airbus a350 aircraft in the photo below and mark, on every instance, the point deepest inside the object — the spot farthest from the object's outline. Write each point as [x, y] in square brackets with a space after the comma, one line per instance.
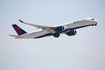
[67, 28]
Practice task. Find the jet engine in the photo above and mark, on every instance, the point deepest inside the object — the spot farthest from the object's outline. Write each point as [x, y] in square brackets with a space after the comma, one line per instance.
[56, 35]
[71, 32]
[59, 29]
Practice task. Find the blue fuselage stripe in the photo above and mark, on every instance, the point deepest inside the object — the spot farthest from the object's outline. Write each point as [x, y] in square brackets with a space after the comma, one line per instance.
[49, 34]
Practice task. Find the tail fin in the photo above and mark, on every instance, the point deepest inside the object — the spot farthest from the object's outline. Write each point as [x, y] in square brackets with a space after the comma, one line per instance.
[18, 30]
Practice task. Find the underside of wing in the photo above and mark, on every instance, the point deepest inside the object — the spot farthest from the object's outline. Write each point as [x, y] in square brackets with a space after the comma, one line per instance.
[50, 29]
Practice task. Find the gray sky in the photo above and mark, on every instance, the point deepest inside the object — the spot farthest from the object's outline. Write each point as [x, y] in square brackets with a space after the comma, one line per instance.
[84, 51]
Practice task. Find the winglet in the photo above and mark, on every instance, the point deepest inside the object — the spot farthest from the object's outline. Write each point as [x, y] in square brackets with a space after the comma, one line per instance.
[21, 21]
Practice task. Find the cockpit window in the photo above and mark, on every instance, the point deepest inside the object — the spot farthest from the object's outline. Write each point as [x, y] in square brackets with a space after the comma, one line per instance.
[92, 19]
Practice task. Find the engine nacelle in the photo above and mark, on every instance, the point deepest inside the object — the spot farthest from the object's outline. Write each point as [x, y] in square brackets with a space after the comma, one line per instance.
[59, 29]
[56, 35]
[71, 32]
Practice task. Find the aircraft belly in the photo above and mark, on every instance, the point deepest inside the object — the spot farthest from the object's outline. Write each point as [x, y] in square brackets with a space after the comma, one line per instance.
[40, 34]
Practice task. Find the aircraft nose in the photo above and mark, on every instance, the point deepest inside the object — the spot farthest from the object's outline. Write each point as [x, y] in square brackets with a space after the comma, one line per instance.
[95, 22]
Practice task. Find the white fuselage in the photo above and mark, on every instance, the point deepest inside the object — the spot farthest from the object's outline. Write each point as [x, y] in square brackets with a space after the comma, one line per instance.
[80, 23]
[70, 25]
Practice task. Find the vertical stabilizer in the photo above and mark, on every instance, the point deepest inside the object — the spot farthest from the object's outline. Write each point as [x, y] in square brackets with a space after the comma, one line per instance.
[19, 30]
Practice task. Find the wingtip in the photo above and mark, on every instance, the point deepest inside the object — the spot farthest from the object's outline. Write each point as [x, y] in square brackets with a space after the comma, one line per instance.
[21, 21]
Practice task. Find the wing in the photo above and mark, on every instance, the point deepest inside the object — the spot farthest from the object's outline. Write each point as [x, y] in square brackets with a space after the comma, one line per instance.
[48, 28]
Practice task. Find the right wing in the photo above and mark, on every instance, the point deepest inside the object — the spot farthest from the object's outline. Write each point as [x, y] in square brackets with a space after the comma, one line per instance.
[48, 28]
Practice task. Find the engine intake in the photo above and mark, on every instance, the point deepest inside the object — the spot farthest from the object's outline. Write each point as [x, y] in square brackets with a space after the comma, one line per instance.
[71, 32]
[59, 29]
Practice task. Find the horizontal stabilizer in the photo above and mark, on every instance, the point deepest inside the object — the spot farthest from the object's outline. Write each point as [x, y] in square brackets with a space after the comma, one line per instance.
[16, 36]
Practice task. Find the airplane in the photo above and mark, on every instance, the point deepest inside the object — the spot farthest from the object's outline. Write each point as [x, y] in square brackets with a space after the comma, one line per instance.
[68, 28]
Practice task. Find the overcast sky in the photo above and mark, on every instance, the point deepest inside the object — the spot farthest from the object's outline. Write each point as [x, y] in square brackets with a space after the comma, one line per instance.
[84, 51]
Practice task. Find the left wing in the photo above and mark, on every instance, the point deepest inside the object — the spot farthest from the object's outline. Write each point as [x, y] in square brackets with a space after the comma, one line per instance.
[48, 28]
